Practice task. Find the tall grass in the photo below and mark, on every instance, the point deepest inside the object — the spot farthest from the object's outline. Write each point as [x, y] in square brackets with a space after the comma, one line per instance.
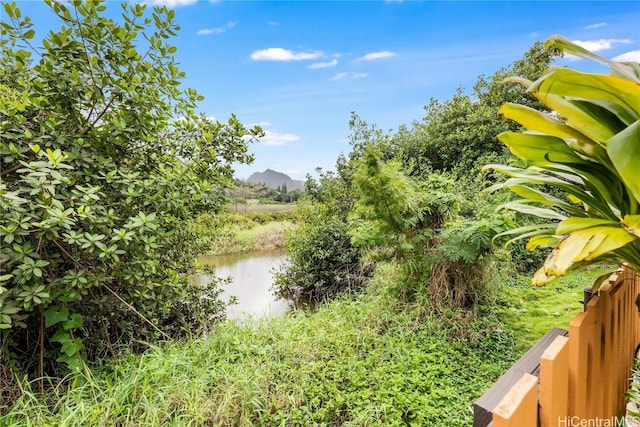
[261, 208]
[363, 359]
[359, 360]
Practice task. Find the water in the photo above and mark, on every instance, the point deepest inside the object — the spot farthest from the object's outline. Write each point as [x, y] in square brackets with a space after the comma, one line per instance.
[252, 279]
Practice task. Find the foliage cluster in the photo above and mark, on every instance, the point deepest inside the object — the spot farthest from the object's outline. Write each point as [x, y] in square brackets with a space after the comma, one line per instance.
[362, 360]
[104, 160]
[585, 143]
[415, 197]
[322, 261]
[368, 359]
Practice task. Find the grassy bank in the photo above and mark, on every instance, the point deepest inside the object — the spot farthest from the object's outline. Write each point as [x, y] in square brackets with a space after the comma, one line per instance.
[532, 311]
[261, 208]
[237, 232]
[257, 237]
[363, 359]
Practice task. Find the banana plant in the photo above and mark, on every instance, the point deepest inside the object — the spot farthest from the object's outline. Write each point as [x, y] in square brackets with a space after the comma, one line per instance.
[587, 146]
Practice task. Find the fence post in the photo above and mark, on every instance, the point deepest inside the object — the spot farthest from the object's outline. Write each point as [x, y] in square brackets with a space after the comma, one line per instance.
[587, 293]
[554, 383]
[519, 407]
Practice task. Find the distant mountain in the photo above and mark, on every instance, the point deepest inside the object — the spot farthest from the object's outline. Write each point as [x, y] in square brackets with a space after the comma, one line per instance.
[273, 179]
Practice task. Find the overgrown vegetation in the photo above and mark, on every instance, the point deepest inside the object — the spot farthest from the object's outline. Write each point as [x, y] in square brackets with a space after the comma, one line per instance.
[104, 160]
[414, 198]
[361, 359]
[112, 184]
[230, 232]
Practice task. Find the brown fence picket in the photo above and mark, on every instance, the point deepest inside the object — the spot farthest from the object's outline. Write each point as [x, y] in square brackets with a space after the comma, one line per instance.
[581, 377]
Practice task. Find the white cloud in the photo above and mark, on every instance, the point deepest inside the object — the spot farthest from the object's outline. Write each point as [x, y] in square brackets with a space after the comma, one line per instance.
[331, 63]
[633, 56]
[273, 23]
[218, 30]
[350, 76]
[272, 138]
[172, 3]
[602, 44]
[279, 54]
[377, 55]
[594, 26]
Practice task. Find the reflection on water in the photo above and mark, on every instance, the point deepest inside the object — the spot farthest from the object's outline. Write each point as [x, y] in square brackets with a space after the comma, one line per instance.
[252, 279]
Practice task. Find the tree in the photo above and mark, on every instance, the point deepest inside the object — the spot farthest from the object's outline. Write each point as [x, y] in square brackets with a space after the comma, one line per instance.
[418, 225]
[459, 134]
[586, 143]
[104, 159]
[393, 212]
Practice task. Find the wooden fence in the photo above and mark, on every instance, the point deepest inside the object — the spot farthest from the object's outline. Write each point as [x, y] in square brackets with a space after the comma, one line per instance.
[580, 379]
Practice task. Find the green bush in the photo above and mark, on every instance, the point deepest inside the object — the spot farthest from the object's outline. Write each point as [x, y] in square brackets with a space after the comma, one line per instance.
[322, 261]
[99, 179]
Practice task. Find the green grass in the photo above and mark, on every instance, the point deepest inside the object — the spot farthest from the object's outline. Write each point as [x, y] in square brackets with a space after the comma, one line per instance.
[255, 237]
[533, 311]
[263, 208]
[363, 359]
[359, 360]
[237, 233]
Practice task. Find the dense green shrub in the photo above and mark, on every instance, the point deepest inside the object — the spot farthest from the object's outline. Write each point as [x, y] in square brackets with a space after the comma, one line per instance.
[321, 258]
[418, 224]
[104, 161]
[321, 261]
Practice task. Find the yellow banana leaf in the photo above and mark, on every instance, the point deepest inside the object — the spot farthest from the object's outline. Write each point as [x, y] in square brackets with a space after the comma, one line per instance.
[540, 122]
[575, 84]
[585, 245]
[631, 223]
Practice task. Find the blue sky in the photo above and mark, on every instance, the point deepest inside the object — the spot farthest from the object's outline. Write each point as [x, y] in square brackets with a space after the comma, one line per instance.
[299, 68]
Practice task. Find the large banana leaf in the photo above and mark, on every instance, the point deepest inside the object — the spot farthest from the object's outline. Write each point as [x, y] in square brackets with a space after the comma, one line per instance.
[582, 245]
[574, 84]
[541, 197]
[540, 122]
[525, 206]
[628, 70]
[624, 152]
[561, 181]
[570, 225]
[526, 231]
[538, 149]
[577, 117]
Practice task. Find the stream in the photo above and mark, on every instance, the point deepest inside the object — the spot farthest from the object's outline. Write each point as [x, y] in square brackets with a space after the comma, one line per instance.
[252, 278]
